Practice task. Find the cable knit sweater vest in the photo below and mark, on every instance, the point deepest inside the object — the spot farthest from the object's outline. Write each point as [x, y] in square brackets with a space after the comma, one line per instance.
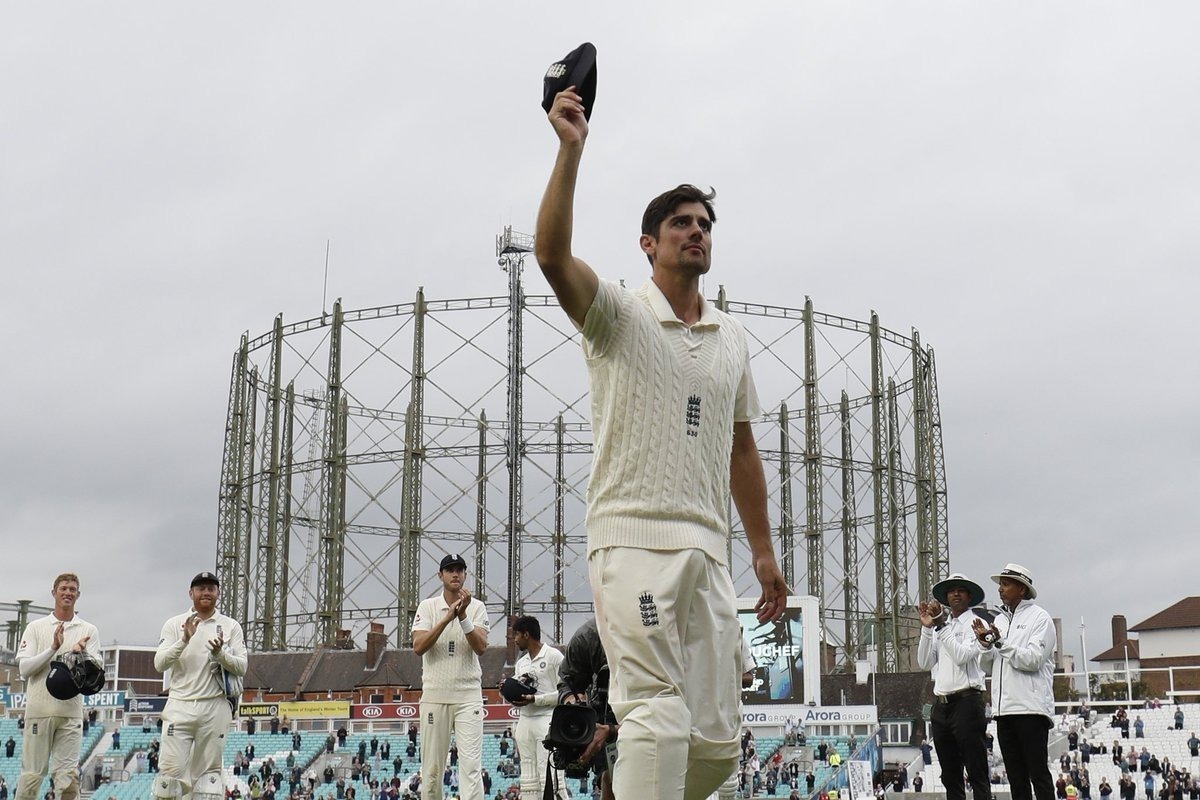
[664, 400]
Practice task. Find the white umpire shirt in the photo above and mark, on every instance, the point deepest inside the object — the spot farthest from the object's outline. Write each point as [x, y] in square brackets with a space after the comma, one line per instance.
[952, 655]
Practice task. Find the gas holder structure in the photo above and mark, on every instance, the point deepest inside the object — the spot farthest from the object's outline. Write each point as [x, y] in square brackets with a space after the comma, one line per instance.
[362, 445]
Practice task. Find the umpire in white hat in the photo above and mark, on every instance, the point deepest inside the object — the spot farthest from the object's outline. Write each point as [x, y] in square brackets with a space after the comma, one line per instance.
[1019, 647]
[949, 649]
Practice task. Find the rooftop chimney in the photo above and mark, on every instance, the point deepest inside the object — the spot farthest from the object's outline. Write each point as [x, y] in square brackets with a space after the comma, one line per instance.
[376, 642]
[1119, 631]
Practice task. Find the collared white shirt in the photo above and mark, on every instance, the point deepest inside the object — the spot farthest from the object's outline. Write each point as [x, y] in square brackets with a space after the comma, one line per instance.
[952, 654]
[544, 669]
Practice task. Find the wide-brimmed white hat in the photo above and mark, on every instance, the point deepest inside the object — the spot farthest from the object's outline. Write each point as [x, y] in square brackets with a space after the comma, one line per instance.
[943, 587]
[1015, 572]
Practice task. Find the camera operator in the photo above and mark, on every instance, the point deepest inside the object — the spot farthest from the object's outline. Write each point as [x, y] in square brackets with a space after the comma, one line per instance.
[583, 679]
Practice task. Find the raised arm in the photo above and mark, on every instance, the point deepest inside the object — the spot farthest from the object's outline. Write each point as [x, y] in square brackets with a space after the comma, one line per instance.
[573, 281]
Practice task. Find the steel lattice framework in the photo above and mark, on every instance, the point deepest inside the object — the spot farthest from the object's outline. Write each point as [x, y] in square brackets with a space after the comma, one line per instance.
[362, 445]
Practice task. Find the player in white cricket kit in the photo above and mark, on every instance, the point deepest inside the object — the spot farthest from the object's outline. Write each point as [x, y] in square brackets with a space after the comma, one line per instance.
[541, 662]
[728, 789]
[204, 654]
[672, 402]
[53, 727]
[450, 632]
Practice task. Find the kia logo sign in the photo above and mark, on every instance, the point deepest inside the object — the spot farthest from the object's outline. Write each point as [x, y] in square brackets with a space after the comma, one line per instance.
[514, 712]
[407, 711]
[372, 711]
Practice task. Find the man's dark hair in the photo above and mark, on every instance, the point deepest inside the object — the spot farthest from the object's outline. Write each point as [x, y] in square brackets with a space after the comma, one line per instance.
[665, 204]
[528, 625]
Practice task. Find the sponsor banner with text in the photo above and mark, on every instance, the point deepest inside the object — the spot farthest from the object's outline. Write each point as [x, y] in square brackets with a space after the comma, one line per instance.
[145, 705]
[319, 709]
[384, 712]
[99, 700]
[807, 715]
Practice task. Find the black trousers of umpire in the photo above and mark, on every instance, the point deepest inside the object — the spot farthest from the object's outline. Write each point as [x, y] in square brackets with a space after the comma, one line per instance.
[1023, 745]
[959, 734]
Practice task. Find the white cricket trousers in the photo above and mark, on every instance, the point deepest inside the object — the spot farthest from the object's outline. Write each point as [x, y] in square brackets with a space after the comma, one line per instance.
[51, 743]
[530, 732]
[193, 742]
[668, 622]
[466, 720]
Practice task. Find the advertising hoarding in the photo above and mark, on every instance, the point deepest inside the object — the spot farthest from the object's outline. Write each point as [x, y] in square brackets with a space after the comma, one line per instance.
[781, 651]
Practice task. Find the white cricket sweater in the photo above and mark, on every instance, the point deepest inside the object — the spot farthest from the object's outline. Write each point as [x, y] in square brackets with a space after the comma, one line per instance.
[664, 400]
[38, 640]
[193, 672]
[450, 669]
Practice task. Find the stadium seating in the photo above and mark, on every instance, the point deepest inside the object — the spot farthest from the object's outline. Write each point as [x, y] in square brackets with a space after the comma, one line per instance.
[10, 768]
[1160, 740]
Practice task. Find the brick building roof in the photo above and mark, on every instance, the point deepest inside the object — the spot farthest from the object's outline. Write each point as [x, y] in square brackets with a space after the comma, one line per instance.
[901, 695]
[1184, 614]
[1117, 652]
[330, 670]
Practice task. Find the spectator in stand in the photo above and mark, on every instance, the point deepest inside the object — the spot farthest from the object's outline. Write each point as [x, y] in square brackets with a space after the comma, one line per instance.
[1148, 783]
[1179, 719]
[1139, 728]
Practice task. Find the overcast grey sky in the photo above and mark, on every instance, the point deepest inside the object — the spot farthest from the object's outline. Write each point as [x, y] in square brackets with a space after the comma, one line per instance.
[1021, 182]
